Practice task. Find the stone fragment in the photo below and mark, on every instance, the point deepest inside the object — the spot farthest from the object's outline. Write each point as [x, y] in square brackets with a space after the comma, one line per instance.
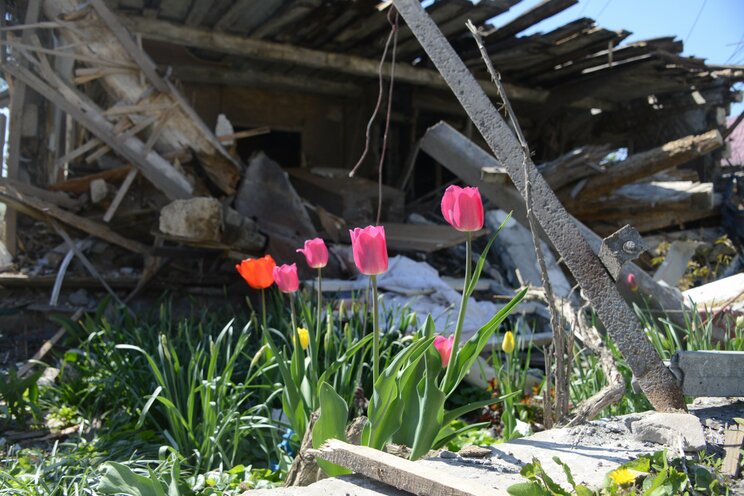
[98, 190]
[472, 451]
[667, 428]
[195, 219]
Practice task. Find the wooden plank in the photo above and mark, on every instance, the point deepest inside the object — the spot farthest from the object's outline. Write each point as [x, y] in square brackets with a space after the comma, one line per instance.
[56, 197]
[650, 162]
[732, 443]
[198, 12]
[264, 79]
[541, 11]
[47, 346]
[41, 209]
[398, 472]
[17, 102]
[80, 185]
[250, 133]
[120, 194]
[423, 238]
[144, 62]
[235, 12]
[304, 57]
[157, 170]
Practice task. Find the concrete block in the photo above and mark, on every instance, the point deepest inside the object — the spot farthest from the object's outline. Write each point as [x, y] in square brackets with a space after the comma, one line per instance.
[667, 428]
[196, 219]
[98, 190]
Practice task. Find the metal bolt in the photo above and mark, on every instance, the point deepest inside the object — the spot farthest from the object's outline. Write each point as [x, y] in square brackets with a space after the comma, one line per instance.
[629, 247]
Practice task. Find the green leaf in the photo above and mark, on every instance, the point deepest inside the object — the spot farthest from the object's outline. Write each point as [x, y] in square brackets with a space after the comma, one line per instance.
[482, 259]
[566, 470]
[431, 406]
[446, 435]
[409, 402]
[527, 489]
[641, 464]
[119, 479]
[330, 425]
[473, 346]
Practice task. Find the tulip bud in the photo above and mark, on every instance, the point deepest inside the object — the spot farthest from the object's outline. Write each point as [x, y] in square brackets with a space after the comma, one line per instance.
[370, 249]
[444, 347]
[632, 283]
[303, 336]
[462, 208]
[507, 345]
[257, 272]
[316, 253]
[285, 277]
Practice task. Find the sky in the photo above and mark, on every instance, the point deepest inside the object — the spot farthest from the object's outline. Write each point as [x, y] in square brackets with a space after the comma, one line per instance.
[710, 29]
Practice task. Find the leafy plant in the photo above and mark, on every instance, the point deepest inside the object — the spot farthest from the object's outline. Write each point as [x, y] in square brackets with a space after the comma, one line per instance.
[407, 404]
[197, 405]
[20, 394]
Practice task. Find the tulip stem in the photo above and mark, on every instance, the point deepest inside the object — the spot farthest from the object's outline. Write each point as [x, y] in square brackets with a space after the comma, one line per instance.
[292, 314]
[376, 330]
[319, 310]
[263, 308]
[461, 316]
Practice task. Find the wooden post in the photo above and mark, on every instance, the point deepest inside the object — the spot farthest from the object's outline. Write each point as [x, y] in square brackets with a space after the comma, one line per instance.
[17, 101]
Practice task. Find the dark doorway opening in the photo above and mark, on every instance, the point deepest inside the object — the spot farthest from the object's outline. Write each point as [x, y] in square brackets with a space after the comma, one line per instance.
[284, 147]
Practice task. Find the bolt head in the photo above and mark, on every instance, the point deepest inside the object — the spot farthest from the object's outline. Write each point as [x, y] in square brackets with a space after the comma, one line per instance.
[629, 247]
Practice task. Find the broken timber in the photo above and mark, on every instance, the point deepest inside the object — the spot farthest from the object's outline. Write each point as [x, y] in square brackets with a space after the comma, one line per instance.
[655, 379]
[41, 209]
[159, 30]
[398, 472]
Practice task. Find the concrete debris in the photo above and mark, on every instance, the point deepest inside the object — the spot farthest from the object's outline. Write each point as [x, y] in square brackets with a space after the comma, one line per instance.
[196, 219]
[668, 429]
[98, 190]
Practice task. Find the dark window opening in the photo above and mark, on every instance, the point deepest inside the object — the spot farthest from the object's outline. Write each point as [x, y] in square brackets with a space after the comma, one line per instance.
[284, 147]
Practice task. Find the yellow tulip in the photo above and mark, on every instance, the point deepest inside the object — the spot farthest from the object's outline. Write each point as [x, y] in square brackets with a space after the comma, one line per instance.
[304, 336]
[507, 345]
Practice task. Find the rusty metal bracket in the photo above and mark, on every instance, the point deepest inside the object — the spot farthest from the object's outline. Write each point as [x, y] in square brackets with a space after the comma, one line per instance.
[655, 379]
[621, 247]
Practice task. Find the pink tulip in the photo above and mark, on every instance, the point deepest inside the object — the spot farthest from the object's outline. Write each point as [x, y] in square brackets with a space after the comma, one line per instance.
[315, 252]
[632, 283]
[462, 208]
[444, 347]
[370, 249]
[285, 277]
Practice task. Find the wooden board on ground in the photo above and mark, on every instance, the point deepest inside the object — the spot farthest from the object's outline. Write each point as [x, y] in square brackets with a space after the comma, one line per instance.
[398, 472]
[732, 443]
[424, 237]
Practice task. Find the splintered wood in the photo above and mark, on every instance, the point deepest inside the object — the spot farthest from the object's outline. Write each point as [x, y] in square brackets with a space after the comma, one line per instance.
[398, 472]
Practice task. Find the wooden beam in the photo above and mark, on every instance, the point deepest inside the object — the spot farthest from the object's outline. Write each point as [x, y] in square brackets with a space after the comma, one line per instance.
[397, 472]
[263, 79]
[198, 12]
[234, 13]
[733, 439]
[142, 60]
[17, 103]
[541, 11]
[34, 207]
[644, 164]
[80, 185]
[288, 54]
[120, 194]
[157, 170]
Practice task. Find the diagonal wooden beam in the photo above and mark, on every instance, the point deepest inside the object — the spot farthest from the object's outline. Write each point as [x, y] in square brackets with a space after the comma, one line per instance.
[168, 32]
[157, 170]
[143, 60]
[40, 209]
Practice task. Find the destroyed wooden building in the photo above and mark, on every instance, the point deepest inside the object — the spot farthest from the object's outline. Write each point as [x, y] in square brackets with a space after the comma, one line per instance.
[115, 112]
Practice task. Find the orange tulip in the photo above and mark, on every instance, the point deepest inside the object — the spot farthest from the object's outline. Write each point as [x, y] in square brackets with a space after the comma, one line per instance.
[257, 272]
